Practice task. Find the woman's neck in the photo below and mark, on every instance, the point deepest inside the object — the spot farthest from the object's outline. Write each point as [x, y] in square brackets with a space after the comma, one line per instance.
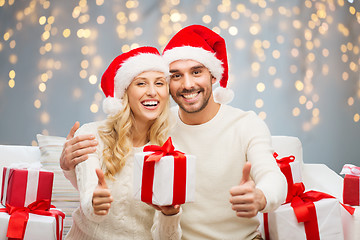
[139, 134]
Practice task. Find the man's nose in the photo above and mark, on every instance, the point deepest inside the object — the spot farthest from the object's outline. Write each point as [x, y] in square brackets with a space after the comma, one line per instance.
[188, 82]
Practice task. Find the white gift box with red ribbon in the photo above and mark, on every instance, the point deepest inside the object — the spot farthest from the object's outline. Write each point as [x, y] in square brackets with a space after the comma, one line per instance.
[38, 226]
[22, 186]
[351, 191]
[283, 224]
[163, 191]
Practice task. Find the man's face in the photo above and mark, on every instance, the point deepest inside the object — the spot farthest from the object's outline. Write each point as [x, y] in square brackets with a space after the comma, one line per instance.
[190, 85]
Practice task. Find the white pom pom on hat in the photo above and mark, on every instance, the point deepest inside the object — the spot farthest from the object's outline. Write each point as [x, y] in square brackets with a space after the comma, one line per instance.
[203, 45]
[123, 69]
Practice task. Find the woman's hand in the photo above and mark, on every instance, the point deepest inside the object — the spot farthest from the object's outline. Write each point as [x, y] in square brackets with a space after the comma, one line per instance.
[102, 198]
[167, 210]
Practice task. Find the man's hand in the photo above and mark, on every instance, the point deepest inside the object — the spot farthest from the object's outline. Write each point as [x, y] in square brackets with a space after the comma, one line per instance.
[167, 210]
[102, 198]
[245, 198]
[76, 149]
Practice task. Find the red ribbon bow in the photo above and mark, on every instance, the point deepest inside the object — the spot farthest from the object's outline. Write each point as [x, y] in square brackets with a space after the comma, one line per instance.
[19, 217]
[284, 164]
[179, 171]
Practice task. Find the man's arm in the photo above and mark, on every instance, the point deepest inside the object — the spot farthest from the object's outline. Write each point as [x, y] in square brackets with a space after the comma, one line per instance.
[76, 150]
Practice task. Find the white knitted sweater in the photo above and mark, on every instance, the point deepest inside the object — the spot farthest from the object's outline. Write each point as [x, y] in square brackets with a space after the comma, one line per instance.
[127, 218]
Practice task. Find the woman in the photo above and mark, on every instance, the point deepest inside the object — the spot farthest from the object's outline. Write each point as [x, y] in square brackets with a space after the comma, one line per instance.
[137, 104]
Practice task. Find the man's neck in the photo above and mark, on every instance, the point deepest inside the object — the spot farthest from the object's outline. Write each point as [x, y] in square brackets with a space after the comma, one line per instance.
[201, 117]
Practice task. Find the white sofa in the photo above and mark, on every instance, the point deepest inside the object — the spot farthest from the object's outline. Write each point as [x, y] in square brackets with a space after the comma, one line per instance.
[315, 176]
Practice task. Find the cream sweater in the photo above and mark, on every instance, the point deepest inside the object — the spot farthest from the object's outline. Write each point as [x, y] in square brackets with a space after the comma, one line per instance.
[222, 146]
[127, 218]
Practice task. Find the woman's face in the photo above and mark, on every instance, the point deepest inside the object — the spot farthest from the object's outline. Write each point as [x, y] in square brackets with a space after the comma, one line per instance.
[148, 94]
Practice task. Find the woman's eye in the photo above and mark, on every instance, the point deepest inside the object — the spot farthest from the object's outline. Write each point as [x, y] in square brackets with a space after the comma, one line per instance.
[159, 83]
[140, 84]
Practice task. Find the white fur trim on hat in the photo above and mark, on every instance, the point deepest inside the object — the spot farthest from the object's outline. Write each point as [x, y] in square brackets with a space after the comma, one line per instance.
[207, 58]
[223, 95]
[135, 66]
[112, 106]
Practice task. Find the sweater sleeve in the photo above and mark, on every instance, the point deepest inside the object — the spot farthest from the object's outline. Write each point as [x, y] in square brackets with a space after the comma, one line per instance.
[166, 227]
[264, 170]
[86, 176]
[71, 176]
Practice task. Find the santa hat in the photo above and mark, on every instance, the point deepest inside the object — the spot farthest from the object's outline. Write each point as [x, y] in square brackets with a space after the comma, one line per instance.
[123, 69]
[203, 45]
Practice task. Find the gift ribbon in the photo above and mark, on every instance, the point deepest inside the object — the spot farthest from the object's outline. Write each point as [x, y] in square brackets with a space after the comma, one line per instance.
[179, 185]
[19, 217]
[351, 169]
[284, 164]
[304, 209]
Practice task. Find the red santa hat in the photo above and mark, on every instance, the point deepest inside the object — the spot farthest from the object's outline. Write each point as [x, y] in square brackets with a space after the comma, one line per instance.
[123, 69]
[203, 45]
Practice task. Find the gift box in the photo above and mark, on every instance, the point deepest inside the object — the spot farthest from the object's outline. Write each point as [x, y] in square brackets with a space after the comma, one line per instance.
[292, 171]
[351, 191]
[48, 227]
[163, 176]
[20, 187]
[283, 223]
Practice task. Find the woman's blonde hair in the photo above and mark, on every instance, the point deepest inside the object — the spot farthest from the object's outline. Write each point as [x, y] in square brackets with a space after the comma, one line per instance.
[117, 136]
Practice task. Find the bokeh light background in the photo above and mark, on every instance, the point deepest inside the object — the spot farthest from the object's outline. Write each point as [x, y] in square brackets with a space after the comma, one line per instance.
[295, 63]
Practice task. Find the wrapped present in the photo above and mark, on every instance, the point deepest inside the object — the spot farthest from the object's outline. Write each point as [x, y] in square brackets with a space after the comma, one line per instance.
[33, 222]
[351, 192]
[22, 186]
[292, 171]
[311, 215]
[164, 176]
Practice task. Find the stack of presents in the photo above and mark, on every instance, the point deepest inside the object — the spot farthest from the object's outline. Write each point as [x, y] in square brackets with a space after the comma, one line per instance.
[27, 211]
[314, 208]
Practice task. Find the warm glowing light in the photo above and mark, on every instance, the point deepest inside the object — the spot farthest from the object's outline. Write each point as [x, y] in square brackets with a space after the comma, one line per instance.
[11, 83]
[12, 74]
[42, 20]
[356, 117]
[262, 115]
[276, 54]
[83, 74]
[277, 83]
[350, 101]
[45, 118]
[299, 85]
[37, 103]
[255, 66]
[44, 77]
[94, 108]
[296, 111]
[272, 70]
[100, 19]
[66, 33]
[302, 99]
[260, 87]
[233, 31]
[92, 79]
[259, 103]
[42, 87]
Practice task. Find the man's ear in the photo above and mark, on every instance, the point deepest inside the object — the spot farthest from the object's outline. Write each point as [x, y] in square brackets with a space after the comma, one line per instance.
[213, 80]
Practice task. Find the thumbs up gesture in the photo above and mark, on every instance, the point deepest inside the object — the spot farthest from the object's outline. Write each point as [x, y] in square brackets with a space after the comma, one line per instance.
[102, 198]
[246, 199]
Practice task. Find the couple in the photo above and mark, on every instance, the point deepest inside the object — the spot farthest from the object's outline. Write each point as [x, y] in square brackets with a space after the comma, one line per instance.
[236, 175]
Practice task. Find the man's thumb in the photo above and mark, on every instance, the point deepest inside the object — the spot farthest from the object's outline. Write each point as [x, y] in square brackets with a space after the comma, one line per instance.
[74, 128]
[101, 177]
[246, 173]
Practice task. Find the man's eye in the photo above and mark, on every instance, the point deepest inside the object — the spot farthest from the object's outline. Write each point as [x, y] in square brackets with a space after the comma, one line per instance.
[196, 72]
[175, 76]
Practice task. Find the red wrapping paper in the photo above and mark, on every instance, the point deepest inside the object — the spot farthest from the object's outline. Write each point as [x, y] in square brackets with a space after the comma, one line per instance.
[20, 187]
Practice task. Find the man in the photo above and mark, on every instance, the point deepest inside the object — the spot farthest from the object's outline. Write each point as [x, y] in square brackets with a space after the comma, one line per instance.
[233, 147]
